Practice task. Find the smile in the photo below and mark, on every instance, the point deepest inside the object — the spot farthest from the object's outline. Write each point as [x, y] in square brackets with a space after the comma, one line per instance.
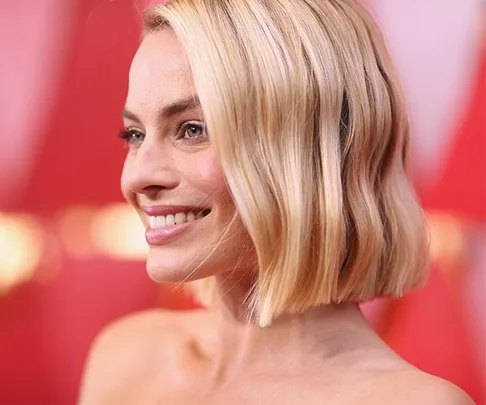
[162, 221]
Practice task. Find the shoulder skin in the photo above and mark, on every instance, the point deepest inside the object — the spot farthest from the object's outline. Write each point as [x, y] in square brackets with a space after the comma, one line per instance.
[131, 350]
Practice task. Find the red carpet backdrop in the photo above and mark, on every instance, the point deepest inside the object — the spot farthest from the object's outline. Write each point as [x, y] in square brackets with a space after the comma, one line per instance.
[65, 273]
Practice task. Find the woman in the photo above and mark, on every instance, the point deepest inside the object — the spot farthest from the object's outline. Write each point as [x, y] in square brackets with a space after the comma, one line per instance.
[267, 142]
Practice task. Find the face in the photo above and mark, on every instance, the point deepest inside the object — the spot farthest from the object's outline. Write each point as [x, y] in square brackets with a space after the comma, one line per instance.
[171, 174]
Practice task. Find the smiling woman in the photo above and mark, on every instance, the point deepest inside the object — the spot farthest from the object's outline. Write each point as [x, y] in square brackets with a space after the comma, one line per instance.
[266, 157]
[171, 171]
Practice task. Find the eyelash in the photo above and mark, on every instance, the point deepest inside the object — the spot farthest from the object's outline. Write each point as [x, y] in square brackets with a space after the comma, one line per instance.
[128, 133]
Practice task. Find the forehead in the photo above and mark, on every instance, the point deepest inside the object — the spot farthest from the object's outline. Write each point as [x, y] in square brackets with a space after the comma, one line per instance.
[160, 72]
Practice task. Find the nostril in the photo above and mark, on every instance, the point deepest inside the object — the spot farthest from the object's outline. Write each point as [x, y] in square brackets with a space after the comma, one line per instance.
[152, 190]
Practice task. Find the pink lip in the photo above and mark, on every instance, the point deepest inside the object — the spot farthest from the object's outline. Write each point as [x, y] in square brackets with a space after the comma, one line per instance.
[161, 236]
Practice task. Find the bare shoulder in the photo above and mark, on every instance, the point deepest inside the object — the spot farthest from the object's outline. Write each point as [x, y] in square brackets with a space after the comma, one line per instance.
[436, 391]
[414, 386]
[132, 349]
[153, 323]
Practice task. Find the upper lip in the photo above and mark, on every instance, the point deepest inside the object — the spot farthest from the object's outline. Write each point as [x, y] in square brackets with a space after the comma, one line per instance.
[159, 210]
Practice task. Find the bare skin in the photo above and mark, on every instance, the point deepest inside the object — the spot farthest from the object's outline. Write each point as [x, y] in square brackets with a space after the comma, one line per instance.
[196, 357]
[327, 355]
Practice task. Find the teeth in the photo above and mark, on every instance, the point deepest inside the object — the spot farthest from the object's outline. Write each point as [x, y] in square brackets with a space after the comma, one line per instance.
[179, 218]
[159, 221]
[169, 220]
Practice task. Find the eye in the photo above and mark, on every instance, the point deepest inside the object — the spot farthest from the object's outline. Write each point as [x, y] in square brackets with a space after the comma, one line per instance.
[131, 136]
[193, 131]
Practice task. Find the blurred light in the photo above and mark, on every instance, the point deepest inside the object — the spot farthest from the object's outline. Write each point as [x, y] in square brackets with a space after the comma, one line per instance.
[50, 266]
[74, 230]
[21, 248]
[448, 239]
[118, 232]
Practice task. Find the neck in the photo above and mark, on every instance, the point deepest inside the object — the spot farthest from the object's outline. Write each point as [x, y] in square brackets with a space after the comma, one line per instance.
[292, 343]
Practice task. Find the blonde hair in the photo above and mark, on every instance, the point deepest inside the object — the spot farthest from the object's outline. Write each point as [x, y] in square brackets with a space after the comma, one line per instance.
[305, 110]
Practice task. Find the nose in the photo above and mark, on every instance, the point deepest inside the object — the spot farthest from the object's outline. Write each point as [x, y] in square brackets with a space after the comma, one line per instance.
[149, 170]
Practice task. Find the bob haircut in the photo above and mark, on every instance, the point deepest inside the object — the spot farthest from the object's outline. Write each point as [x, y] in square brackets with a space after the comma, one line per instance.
[306, 113]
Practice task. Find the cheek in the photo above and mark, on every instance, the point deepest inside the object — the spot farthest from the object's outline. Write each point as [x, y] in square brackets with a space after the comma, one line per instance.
[207, 175]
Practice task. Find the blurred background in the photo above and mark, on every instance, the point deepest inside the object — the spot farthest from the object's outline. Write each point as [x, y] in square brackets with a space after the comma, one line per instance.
[71, 253]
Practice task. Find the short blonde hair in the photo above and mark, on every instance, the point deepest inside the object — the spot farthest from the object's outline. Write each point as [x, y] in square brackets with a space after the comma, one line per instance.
[305, 110]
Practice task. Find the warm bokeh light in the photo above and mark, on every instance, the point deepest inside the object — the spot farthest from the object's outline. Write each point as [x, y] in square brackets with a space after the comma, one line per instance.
[52, 260]
[448, 238]
[118, 232]
[21, 249]
[74, 230]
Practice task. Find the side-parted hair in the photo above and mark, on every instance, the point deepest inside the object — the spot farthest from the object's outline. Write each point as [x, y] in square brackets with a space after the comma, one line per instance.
[305, 110]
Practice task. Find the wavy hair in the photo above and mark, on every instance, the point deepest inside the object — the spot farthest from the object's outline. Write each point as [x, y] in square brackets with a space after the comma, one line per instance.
[306, 112]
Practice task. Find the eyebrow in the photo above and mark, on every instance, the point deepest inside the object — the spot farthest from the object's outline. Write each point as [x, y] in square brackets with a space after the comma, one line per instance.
[175, 108]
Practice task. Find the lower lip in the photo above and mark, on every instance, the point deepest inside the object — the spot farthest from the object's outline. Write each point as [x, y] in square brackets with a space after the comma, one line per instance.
[162, 236]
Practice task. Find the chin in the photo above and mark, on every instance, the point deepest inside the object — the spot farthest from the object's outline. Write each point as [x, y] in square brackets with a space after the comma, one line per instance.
[171, 267]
